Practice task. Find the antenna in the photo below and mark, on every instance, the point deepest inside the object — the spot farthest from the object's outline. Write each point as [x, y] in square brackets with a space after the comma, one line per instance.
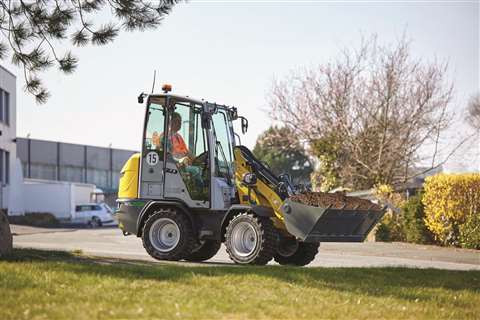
[154, 75]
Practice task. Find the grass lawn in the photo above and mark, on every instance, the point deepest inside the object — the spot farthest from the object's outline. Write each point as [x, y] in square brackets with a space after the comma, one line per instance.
[38, 284]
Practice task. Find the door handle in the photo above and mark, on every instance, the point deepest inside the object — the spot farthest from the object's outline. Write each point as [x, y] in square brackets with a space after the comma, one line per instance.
[172, 171]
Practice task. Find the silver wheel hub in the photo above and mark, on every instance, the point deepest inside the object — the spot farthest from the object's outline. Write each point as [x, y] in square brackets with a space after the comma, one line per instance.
[244, 239]
[164, 234]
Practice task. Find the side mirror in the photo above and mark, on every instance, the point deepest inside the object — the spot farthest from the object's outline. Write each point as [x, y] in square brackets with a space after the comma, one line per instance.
[141, 97]
[244, 125]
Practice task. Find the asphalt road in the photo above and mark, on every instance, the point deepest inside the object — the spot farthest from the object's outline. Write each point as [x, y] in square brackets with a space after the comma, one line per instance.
[110, 242]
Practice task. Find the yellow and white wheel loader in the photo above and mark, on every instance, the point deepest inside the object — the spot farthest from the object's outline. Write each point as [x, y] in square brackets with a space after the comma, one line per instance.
[194, 187]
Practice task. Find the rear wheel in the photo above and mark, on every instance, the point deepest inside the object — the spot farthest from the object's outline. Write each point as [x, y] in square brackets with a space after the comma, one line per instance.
[295, 253]
[167, 235]
[206, 251]
[250, 239]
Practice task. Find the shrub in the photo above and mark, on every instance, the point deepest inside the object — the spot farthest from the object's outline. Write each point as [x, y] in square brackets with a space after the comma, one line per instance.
[413, 222]
[452, 208]
[470, 232]
[390, 228]
[407, 223]
[36, 219]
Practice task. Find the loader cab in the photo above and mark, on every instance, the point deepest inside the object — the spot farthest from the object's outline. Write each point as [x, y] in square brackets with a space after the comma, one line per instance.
[187, 152]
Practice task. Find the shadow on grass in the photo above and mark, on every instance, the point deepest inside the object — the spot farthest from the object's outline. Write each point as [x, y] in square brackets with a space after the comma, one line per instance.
[394, 282]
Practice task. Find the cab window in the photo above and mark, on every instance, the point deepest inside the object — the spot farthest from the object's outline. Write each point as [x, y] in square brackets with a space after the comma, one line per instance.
[223, 150]
[155, 130]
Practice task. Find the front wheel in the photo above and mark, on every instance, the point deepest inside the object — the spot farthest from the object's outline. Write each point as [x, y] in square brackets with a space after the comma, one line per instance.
[295, 253]
[167, 235]
[250, 239]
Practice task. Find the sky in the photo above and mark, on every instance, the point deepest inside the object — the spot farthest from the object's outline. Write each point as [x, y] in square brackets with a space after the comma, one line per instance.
[229, 51]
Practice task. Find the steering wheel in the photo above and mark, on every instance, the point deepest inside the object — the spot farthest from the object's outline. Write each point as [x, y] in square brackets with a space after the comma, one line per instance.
[201, 160]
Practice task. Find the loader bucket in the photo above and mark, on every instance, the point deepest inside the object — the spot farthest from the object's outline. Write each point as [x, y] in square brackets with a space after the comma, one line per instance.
[326, 224]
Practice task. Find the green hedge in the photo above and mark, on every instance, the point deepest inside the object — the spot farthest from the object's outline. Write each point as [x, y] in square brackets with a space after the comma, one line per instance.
[408, 225]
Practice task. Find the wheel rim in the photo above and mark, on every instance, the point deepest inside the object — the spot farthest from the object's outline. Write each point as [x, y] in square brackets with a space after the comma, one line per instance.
[164, 234]
[244, 239]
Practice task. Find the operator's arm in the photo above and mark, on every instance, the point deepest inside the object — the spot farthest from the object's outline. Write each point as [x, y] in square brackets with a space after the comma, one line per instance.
[183, 149]
[157, 141]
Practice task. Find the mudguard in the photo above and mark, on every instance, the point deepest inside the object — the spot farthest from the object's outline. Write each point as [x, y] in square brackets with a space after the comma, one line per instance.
[161, 203]
[261, 211]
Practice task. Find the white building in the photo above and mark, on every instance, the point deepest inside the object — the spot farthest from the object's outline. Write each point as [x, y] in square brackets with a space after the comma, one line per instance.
[8, 133]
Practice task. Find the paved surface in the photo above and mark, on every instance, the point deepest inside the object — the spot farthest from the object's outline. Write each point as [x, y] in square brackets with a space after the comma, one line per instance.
[110, 242]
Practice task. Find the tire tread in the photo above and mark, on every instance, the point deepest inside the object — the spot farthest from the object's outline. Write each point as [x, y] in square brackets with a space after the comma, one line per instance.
[268, 236]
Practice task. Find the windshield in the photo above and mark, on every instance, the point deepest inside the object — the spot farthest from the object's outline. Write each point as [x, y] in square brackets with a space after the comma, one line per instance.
[109, 210]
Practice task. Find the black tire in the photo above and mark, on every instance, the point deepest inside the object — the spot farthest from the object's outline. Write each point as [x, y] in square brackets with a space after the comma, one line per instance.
[171, 248]
[95, 222]
[261, 229]
[301, 255]
[206, 251]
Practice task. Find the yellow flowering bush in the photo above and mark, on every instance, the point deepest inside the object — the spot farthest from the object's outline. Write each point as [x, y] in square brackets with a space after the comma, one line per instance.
[452, 208]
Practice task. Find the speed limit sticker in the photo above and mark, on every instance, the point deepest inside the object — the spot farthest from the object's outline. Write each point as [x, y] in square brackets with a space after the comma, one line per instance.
[152, 158]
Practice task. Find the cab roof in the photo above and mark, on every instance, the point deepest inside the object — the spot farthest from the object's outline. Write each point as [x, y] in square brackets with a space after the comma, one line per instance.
[190, 99]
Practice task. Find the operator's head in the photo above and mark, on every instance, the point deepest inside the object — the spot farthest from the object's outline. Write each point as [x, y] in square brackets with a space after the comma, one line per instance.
[176, 122]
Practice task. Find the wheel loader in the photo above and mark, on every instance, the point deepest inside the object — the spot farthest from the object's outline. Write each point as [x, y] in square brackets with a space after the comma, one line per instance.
[193, 187]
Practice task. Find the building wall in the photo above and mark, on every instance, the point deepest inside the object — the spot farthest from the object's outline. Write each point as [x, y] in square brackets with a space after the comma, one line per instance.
[8, 129]
[58, 161]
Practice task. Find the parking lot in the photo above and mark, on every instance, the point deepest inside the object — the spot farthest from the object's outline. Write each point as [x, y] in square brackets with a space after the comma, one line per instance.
[110, 242]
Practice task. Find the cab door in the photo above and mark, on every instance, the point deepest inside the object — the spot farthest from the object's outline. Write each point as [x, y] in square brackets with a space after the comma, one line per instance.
[152, 159]
[223, 190]
[187, 169]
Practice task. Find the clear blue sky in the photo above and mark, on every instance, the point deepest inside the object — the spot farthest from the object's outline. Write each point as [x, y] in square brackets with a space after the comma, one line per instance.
[229, 51]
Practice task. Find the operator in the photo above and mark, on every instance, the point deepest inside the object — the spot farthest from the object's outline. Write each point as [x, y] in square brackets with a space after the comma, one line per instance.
[177, 147]
[175, 144]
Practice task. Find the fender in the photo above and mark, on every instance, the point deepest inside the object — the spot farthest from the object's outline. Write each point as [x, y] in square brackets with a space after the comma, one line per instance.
[142, 217]
[261, 211]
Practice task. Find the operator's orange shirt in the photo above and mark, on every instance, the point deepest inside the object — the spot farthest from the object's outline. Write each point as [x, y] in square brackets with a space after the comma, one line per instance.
[175, 145]
[178, 145]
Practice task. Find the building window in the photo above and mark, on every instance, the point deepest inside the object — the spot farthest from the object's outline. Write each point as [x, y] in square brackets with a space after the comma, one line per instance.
[2, 93]
[1, 166]
[4, 167]
[7, 167]
[43, 171]
[4, 107]
[71, 173]
[97, 177]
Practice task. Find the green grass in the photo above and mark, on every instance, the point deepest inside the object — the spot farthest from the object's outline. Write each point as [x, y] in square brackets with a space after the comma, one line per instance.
[58, 285]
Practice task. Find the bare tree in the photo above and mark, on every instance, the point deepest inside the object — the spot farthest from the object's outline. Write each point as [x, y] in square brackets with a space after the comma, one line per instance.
[367, 114]
[33, 31]
[473, 111]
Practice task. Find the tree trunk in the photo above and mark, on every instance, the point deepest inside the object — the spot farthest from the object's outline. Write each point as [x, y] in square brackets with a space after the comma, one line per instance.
[6, 242]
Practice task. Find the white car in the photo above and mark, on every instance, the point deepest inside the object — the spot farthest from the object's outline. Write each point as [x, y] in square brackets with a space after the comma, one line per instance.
[93, 214]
